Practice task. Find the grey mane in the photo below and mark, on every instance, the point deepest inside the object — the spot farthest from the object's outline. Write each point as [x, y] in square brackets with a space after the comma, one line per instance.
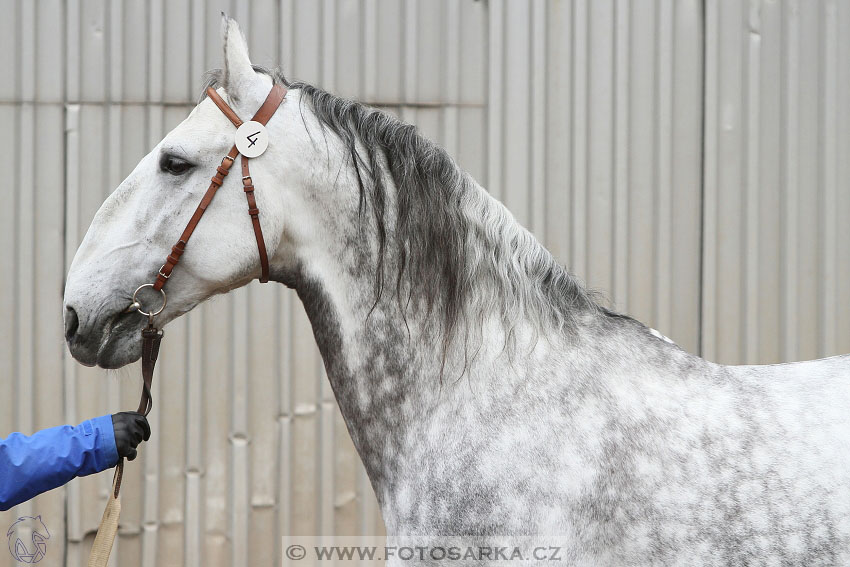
[455, 249]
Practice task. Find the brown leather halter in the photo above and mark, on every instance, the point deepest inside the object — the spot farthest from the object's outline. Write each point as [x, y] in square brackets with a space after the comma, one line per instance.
[262, 116]
[151, 336]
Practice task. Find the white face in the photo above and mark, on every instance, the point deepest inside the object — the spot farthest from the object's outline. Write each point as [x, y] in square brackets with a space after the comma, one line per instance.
[135, 228]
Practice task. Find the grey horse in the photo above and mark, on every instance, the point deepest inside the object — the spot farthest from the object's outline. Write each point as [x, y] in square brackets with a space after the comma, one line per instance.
[486, 391]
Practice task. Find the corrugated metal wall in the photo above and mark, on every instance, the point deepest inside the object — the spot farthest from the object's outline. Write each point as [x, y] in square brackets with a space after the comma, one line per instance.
[777, 180]
[688, 158]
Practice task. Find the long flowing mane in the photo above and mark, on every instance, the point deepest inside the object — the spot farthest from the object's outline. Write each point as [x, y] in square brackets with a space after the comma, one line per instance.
[456, 249]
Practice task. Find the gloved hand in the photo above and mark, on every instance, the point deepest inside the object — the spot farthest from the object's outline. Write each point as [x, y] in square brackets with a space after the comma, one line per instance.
[130, 429]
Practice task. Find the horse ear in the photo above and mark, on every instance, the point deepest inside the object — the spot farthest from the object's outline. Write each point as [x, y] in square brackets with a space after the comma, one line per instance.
[239, 75]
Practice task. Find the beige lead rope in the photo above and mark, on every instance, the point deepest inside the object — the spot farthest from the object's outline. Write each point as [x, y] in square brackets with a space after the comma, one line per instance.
[102, 546]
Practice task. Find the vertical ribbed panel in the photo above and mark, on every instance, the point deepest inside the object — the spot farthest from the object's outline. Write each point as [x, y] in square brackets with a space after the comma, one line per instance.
[686, 158]
[776, 258]
[622, 153]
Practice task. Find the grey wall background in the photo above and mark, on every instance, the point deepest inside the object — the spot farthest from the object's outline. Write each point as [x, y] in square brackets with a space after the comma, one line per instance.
[689, 158]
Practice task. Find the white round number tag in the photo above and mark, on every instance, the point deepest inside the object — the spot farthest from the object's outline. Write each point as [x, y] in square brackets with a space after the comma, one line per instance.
[252, 139]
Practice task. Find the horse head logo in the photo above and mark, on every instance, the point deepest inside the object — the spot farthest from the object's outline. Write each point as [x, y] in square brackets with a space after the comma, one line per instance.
[28, 539]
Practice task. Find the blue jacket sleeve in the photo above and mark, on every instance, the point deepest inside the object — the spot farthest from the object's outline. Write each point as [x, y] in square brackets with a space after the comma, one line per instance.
[30, 465]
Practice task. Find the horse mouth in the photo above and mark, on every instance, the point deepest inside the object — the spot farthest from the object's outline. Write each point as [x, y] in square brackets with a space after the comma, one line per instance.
[118, 347]
[114, 347]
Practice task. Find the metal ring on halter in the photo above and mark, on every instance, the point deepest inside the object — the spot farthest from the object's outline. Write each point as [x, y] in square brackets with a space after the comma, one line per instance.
[139, 305]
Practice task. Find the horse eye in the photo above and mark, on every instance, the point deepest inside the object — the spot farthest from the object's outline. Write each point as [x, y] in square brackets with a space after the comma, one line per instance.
[174, 165]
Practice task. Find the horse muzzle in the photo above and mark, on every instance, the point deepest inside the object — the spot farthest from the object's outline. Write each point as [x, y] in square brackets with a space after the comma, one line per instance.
[105, 339]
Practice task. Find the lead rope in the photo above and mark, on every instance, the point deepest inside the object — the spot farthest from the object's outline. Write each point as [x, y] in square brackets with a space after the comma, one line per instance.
[151, 336]
[106, 532]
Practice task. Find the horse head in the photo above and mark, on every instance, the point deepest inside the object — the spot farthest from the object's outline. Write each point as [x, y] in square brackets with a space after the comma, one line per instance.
[133, 231]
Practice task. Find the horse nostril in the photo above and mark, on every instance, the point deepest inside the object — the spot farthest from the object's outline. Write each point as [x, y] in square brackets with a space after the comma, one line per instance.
[72, 323]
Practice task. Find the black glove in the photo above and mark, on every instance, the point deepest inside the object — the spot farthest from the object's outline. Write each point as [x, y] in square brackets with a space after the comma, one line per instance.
[130, 429]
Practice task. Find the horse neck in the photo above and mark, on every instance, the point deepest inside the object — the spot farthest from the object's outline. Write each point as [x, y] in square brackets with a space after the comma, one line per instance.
[386, 362]
[377, 374]
[532, 327]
